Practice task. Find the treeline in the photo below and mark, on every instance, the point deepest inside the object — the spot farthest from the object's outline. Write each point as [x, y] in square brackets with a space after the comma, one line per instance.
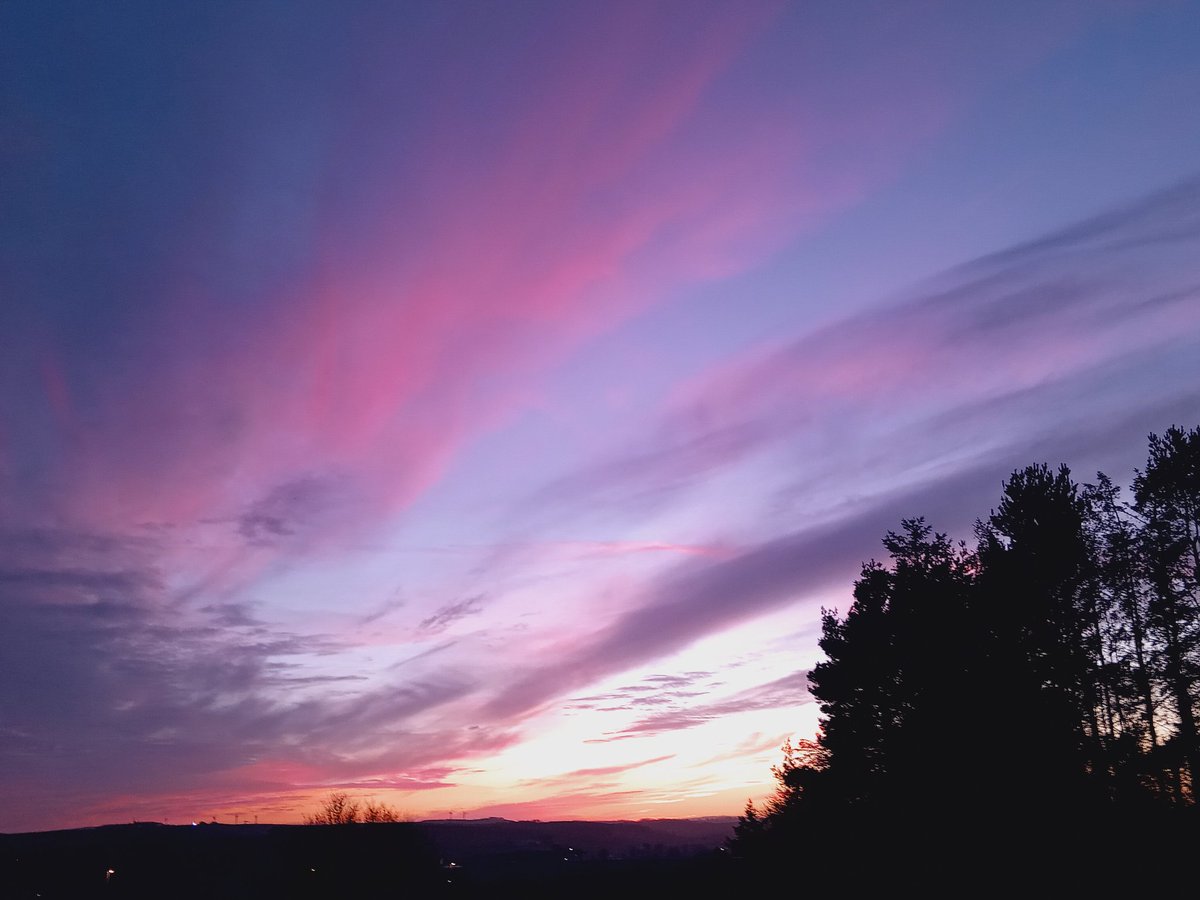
[339, 809]
[1049, 672]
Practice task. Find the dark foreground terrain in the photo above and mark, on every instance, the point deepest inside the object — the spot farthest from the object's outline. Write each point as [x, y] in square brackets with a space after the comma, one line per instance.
[493, 858]
[1012, 853]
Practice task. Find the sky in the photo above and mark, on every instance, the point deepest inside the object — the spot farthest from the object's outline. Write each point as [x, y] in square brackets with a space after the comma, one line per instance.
[472, 405]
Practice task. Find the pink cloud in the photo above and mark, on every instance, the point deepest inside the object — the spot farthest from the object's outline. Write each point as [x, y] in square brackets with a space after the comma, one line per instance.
[418, 326]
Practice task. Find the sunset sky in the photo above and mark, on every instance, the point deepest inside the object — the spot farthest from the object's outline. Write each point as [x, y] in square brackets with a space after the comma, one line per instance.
[471, 405]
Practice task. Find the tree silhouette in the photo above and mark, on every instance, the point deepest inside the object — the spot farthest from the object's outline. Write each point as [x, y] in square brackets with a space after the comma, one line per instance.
[1167, 495]
[374, 811]
[339, 809]
[1037, 600]
[336, 809]
[1052, 670]
[890, 686]
[1129, 678]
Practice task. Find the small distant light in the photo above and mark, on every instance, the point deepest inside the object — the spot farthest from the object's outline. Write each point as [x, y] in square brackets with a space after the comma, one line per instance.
[193, 823]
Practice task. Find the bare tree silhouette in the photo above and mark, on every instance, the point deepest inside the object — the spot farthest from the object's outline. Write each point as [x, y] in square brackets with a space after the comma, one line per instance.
[339, 809]
[336, 809]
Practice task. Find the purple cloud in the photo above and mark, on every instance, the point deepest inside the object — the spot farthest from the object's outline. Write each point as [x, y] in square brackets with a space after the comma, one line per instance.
[447, 615]
[791, 690]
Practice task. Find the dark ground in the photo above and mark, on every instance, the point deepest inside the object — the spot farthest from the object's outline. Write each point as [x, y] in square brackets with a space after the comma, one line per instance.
[492, 858]
[1011, 854]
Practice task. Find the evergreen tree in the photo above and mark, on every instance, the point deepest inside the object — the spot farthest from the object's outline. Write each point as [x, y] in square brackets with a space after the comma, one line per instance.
[1167, 495]
[1052, 671]
[893, 686]
[1129, 678]
[1037, 596]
